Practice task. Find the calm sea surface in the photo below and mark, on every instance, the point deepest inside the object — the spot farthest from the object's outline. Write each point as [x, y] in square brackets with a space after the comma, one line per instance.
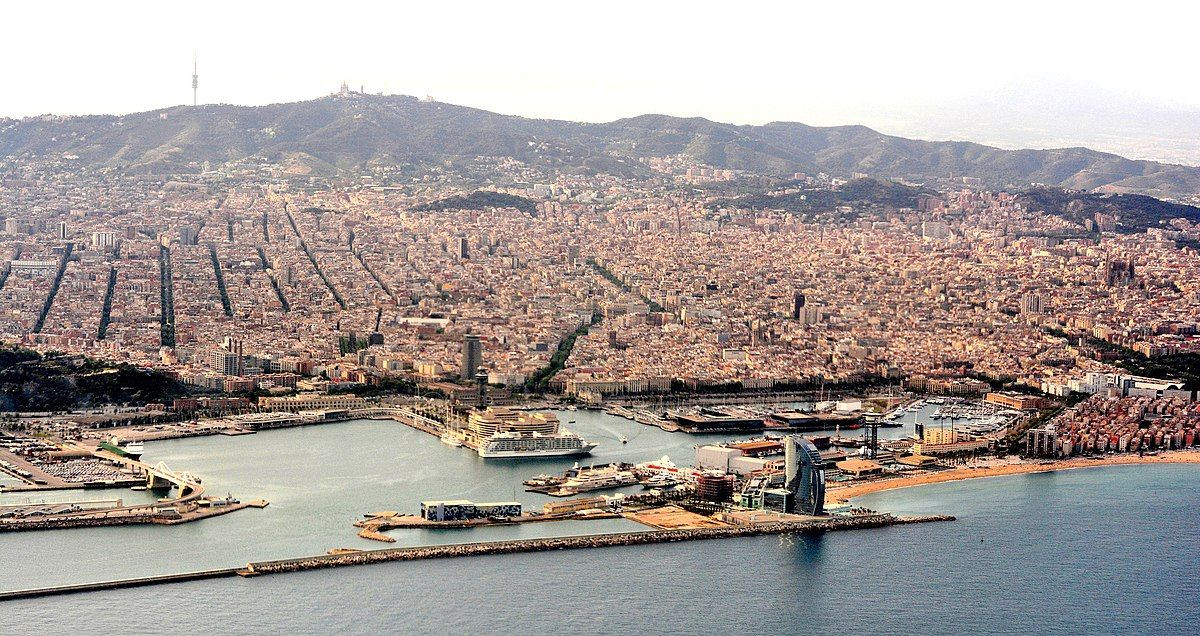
[1112, 550]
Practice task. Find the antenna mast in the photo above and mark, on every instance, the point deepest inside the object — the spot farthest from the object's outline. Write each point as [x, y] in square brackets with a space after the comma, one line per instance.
[195, 79]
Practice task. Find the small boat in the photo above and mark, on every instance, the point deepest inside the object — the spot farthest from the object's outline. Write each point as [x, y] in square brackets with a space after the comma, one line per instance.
[542, 481]
[623, 439]
[660, 481]
[451, 440]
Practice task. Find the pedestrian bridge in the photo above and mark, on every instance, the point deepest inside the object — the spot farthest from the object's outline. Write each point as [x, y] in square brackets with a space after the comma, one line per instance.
[160, 477]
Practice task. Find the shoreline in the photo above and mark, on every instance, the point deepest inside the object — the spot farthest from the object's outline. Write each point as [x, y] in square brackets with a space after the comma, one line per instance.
[846, 493]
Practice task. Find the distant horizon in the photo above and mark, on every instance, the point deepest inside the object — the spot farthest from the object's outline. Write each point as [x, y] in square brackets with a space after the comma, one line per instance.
[1025, 75]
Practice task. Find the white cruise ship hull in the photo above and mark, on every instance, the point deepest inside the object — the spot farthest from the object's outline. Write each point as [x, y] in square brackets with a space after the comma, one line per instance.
[550, 452]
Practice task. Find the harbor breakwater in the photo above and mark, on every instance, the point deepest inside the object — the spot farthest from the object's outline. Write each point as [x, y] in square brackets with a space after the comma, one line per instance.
[365, 557]
[119, 584]
[583, 541]
[58, 523]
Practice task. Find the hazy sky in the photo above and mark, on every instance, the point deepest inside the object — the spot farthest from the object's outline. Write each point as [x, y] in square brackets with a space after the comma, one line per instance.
[737, 61]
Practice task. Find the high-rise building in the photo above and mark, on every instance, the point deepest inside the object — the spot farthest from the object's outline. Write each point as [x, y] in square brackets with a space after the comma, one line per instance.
[62, 230]
[1031, 303]
[810, 314]
[104, 239]
[472, 357]
[16, 226]
[462, 248]
[1040, 442]
[228, 359]
[934, 230]
[805, 475]
[188, 235]
[1119, 273]
[224, 362]
[797, 306]
[928, 203]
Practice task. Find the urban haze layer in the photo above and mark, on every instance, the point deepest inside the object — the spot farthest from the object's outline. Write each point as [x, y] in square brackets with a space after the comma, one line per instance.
[822, 313]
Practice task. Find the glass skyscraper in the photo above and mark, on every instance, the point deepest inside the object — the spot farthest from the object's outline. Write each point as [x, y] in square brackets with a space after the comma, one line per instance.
[805, 476]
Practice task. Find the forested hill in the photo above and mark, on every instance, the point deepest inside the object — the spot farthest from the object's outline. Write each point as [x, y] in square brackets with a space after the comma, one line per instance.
[352, 132]
[32, 382]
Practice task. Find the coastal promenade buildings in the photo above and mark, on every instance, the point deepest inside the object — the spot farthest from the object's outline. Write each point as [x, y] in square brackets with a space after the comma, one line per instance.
[1103, 424]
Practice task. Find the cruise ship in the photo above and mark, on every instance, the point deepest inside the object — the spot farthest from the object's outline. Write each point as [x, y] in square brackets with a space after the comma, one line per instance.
[516, 444]
[498, 433]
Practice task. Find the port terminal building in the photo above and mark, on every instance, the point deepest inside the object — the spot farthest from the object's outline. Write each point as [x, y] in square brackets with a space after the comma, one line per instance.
[731, 459]
[311, 402]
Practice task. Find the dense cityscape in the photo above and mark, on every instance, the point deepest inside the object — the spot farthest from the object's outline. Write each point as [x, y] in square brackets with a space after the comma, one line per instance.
[350, 282]
[243, 341]
[274, 298]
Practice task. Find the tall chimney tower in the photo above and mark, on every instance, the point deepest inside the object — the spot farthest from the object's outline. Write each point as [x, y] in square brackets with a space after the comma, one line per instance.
[195, 79]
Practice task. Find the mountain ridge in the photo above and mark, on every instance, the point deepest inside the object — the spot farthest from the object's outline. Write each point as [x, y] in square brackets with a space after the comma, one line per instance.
[351, 133]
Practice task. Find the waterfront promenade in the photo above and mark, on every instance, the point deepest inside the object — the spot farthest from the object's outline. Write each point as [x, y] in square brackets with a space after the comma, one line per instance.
[998, 468]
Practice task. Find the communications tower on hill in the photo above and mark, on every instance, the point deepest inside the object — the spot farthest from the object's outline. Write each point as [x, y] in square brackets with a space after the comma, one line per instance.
[195, 79]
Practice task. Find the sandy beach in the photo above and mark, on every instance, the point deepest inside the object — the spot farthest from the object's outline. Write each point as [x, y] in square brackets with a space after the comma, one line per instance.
[1006, 467]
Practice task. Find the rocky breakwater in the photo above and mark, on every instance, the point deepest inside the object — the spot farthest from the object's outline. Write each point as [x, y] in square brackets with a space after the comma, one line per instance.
[80, 521]
[587, 541]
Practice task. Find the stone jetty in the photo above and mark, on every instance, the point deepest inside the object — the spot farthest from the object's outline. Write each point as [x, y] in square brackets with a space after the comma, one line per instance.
[585, 541]
[345, 556]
